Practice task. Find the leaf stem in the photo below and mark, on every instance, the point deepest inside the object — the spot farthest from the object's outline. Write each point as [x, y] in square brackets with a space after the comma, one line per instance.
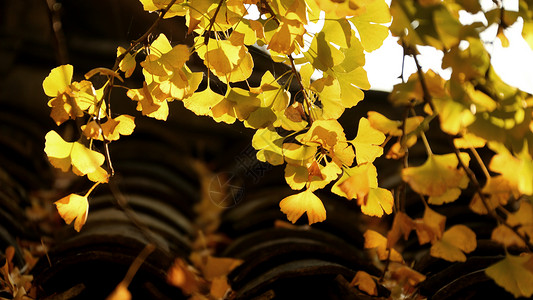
[91, 189]
[480, 162]
[302, 88]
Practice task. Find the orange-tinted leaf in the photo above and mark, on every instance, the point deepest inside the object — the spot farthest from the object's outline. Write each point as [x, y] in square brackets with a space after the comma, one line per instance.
[219, 266]
[184, 276]
[402, 225]
[512, 274]
[121, 292]
[505, 236]
[219, 287]
[73, 207]
[497, 192]
[431, 227]
[295, 206]
[401, 273]
[375, 240]
[365, 283]
[454, 242]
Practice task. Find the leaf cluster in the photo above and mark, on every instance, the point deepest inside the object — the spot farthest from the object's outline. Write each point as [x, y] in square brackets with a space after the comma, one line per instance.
[299, 129]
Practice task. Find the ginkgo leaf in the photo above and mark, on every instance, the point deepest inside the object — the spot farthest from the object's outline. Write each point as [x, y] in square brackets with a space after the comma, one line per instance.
[498, 191]
[58, 80]
[121, 292]
[202, 102]
[367, 142]
[296, 154]
[511, 274]
[506, 236]
[454, 242]
[431, 227]
[401, 273]
[379, 201]
[72, 101]
[128, 63]
[365, 283]
[360, 182]
[371, 32]
[73, 208]
[111, 129]
[295, 206]
[401, 226]
[374, 239]
[63, 155]
[523, 219]
[438, 174]
[236, 104]
[268, 144]
[518, 170]
[181, 275]
[147, 104]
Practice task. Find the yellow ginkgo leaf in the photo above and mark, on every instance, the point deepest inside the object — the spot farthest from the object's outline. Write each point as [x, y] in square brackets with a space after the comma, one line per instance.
[147, 103]
[523, 219]
[511, 274]
[58, 80]
[295, 206]
[365, 283]
[438, 174]
[431, 227]
[269, 145]
[360, 182]
[379, 201]
[498, 191]
[402, 225]
[368, 25]
[128, 63]
[454, 242]
[375, 240]
[63, 155]
[236, 104]
[202, 102]
[111, 129]
[73, 207]
[367, 142]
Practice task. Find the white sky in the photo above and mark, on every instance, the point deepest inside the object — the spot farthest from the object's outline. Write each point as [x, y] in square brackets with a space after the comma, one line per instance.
[514, 64]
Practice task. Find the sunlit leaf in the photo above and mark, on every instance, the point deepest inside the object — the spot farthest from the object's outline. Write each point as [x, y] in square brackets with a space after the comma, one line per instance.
[58, 80]
[438, 174]
[368, 25]
[202, 102]
[128, 63]
[268, 144]
[367, 142]
[73, 208]
[63, 155]
[295, 206]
